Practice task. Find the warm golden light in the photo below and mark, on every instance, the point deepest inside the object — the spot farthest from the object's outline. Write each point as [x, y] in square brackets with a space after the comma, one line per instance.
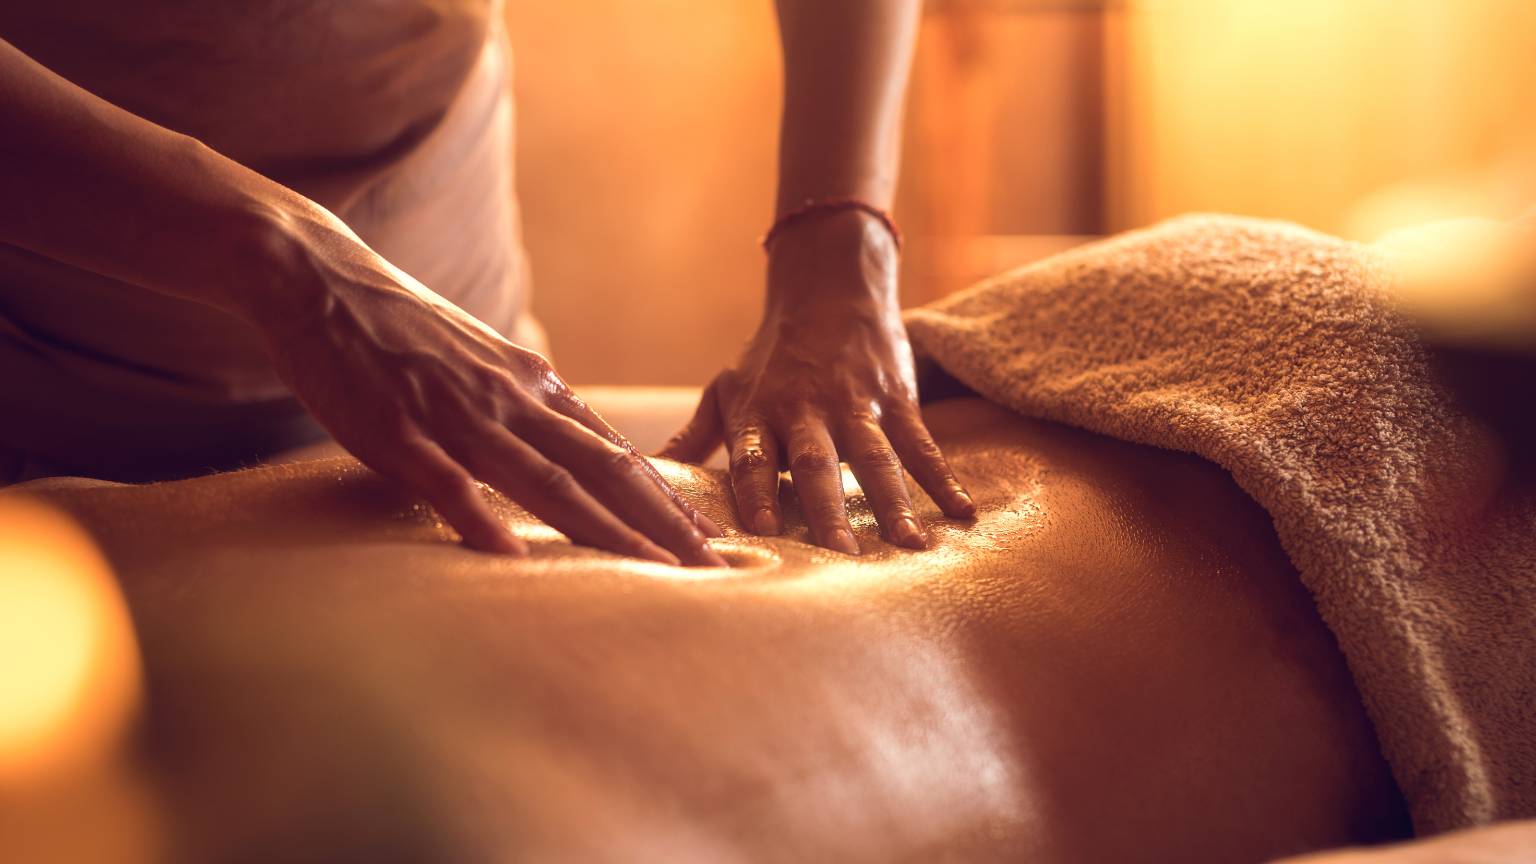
[70, 679]
[1309, 109]
[1470, 281]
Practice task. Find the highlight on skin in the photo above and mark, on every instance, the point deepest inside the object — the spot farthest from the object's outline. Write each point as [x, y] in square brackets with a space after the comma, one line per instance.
[1115, 616]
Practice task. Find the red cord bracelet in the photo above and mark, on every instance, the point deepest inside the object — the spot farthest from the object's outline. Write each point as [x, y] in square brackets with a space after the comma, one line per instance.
[825, 205]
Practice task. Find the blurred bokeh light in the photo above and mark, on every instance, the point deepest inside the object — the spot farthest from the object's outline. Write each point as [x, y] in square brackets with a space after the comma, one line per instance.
[70, 688]
[71, 675]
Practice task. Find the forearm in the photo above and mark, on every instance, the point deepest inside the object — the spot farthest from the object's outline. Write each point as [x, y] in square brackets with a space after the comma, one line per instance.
[846, 65]
[97, 187]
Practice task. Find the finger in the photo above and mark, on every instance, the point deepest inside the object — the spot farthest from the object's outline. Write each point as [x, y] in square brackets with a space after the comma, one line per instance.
[755, 479]
[878, 471]
[425, 469]
[923, 458]
[550, 492]
[573, 407]
[698, 439]
[622, 481]
[819, 484]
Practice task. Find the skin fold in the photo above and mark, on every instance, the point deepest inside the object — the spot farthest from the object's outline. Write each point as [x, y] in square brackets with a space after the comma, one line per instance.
[1116, 662]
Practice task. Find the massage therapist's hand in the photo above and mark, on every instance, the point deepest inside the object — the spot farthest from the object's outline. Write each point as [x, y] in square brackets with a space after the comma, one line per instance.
[426, 394]
[413, 386]
[827, 377]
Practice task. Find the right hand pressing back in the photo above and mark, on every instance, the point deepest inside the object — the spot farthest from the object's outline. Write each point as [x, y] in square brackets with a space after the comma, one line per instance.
[424, 393]
[412, 385]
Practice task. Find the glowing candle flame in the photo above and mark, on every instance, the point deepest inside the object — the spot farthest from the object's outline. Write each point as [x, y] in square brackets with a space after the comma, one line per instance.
[70, 678]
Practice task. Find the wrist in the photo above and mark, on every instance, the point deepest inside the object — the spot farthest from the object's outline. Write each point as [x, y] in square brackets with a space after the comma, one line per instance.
[838, 252]
[279, 245]
[812, 207]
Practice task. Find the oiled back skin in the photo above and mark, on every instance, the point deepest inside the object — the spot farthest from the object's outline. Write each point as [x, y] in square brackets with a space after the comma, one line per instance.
[1114, 663]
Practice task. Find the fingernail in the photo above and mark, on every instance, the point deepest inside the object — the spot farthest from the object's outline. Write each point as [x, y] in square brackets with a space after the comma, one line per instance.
[706, 525]
[655, 553]
[964, 504]
[764, 523]
[710, 558]
[508, 544]
[842, 540]
[907, 533]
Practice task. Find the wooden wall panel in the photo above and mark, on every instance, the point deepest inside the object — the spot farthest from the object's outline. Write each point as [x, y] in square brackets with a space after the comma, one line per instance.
[646, 153]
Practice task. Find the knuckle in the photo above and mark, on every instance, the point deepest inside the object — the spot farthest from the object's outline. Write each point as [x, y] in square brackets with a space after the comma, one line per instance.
[878, 456]
[534, 370]
[621, 462]
[532, 361]
[927, 448]
[812, 460]
[802, 424]
[747, 432]
[749, 460]
[555, 481]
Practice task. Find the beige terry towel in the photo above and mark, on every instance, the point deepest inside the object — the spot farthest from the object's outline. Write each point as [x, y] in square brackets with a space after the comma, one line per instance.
[1270, 350]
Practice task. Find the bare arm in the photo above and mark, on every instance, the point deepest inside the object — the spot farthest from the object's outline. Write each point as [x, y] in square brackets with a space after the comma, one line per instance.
[829, 375]
[412, 385]
[97, 187]
[845, 79]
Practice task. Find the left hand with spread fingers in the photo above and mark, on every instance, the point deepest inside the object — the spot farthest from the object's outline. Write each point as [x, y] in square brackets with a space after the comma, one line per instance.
[828, 377]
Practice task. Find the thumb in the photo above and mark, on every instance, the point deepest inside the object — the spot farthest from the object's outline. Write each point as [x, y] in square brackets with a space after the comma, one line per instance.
[702, 434]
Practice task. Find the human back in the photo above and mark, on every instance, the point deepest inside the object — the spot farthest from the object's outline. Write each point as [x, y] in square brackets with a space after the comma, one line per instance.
[1115, 663]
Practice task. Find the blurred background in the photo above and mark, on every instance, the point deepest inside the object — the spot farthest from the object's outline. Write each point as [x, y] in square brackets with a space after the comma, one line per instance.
[648, 131]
